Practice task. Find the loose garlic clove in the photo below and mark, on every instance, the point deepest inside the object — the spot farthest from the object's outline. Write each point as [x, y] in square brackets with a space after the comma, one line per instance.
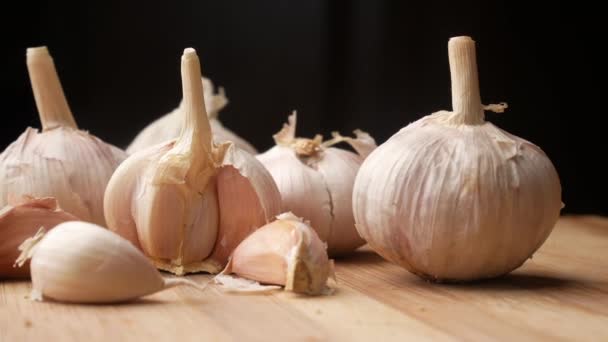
[61, 162]
[20, 220]
[187, 203]
[80, 262]
[169, 126]
[286, 252]
[453, 197]
[324, 175]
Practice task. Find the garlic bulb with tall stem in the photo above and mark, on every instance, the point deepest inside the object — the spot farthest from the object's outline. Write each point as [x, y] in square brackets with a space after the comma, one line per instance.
[80, 262]
[316, 182]
[452, 197]
[169, 125]
[187, 203]
[62, 161]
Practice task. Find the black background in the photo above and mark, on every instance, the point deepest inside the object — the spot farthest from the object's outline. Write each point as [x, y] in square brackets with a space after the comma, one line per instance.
[374, 65]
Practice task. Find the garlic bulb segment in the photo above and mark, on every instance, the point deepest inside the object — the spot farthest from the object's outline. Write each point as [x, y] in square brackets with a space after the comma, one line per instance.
[62, 161]
[187, 203]
[169, 126]
[285, 252]
[316, 181]
[80, 262]
[452, 197]
[21, 219]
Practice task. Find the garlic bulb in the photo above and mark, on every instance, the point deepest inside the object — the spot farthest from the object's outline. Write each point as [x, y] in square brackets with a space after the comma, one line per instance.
[169, 126]
[62, 161]
[316, 182]
[187, 203]
[21, 219]
[452, 197]
[80, 262]
[285, 252]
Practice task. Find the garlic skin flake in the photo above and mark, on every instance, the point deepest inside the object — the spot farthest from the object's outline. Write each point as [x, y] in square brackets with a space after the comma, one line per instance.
[21, 219]
[316, 182]
[80, 262]
[62, 161]
[187, 203]
[285, 252]
[169, 126]
[452, 197]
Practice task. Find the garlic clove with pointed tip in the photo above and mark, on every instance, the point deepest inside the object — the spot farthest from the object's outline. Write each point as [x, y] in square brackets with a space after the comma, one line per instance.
[62, 161]
[324, 175]
[187, 202]
[21, 219]
[285, 252]
[169, 126]
[80, 262]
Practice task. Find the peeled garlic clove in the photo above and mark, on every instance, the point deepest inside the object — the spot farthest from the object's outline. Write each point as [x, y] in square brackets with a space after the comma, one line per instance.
[285, 252]
[20, 220]
[170, 125]
[323, 175]
[453, 197]
[186, 202]
[61, 161]
[80, 262]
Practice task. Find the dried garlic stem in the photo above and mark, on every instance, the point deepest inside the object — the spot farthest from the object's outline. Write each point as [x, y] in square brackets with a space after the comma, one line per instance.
[52, 105]
[466, 101]
[196, 132]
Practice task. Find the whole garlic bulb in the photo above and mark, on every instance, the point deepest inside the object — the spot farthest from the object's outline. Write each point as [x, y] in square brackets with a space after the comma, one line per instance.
[188, 203]
[80, 262]
[62, 161]
[452, 197]
[316, 182]
[169, 126]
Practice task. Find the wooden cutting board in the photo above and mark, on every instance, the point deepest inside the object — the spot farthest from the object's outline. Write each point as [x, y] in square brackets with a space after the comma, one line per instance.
[562, 293]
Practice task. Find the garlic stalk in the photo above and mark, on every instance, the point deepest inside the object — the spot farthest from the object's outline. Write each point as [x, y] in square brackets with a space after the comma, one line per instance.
[169, 126]
[452, 197]
[285, 252]
[316, 181]
[62, 161]
[21, 219]
[80, 262]
[187, 203]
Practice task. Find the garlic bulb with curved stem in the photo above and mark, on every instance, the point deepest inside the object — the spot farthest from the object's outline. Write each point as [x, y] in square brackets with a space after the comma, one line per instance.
[452, 197]
[187, 203]
[62, 161]
[169, 126]
[316, 182]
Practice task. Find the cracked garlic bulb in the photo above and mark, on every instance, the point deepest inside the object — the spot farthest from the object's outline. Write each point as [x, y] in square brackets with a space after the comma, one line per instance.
[169, 126]
[187, 203]
[62, 161]
[452, 197]
[316, 182]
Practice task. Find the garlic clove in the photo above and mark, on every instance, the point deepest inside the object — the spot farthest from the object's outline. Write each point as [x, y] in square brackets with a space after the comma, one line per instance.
[61, 161]
[20, 220]
[169, 126]
[80, 262]
[285, 252]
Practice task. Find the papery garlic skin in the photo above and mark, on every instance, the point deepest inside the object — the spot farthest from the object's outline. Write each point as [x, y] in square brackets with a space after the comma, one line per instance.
[452, 197]
[169, 126]
[285, 252]
[187, 203]
[316, 182]
[63, 162]
[20, 220]
[80, 262]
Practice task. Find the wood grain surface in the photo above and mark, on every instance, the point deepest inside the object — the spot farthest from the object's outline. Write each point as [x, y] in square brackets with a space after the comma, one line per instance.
[560, 294]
